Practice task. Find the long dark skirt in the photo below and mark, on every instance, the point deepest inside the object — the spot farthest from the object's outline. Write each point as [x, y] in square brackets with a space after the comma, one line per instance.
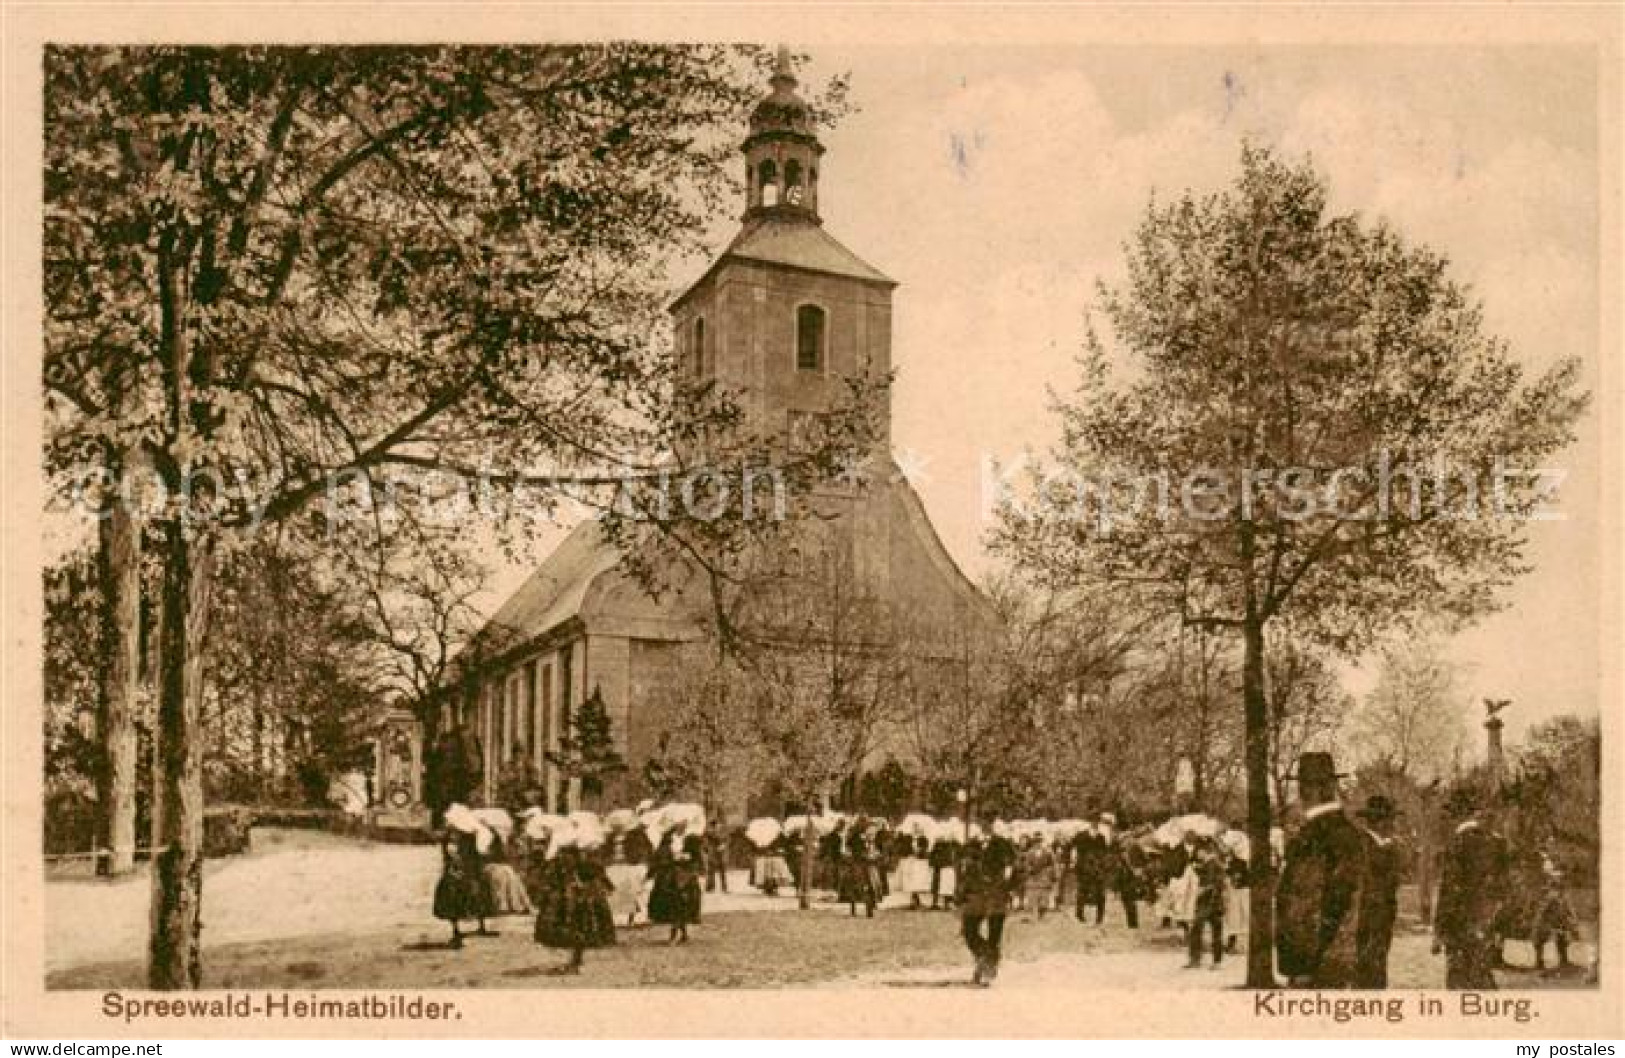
[675, 898]
[573, 913]
[461, 894]
[860, 883]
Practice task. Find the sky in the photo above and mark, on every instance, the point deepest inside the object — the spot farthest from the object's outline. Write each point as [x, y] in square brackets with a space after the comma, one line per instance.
[998, 186]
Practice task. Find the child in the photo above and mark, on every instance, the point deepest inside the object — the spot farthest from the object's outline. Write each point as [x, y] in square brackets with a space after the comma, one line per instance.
[461, 892]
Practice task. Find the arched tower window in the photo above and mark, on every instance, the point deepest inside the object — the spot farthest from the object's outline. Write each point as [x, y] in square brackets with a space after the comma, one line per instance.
[768, 180]
[809, 338]
[794, 194]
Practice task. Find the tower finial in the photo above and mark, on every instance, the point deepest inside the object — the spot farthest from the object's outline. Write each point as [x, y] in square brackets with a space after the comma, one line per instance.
[782, 71]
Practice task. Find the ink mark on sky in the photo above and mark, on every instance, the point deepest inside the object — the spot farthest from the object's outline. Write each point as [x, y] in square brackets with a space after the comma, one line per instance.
[956, 147]
[1233, 91]
[959, 149]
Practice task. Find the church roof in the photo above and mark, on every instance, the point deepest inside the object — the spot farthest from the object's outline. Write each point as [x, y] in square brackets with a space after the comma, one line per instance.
[792, 243]
[800, 245]
[556, 591]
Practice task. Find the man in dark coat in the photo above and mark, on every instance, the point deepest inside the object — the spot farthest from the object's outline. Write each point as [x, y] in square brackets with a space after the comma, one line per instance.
[1317, 902]
[1379, 897]
[944, 856]
[985, 883]
[1472, 888]
[1120, 870]
[831, 849]
[716, 856]
[1089, 855]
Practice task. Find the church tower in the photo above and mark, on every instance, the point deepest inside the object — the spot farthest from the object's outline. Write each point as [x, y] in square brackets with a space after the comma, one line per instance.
[786, 312]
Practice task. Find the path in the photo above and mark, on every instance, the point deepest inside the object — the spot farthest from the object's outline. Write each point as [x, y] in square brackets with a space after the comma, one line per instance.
[286, 888]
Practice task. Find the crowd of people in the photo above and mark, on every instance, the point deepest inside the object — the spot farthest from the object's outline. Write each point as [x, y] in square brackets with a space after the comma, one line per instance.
[579, 875]
[1337, 898]
[583, 874]
[1336, 903]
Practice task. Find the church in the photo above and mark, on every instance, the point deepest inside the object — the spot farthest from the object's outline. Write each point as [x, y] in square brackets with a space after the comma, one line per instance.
[781, 316]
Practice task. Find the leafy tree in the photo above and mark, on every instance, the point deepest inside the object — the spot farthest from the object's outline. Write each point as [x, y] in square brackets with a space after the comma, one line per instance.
[587, 749]
[824, 667]
[275, 271]
[1407, 736]
[520, 784]
[707, 748]
[293, 683]
[1311, 425]
[1555, 794]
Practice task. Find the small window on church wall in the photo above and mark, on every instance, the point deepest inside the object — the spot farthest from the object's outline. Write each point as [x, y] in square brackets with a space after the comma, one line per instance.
[768, 178]
[809, 338]
[696, 353]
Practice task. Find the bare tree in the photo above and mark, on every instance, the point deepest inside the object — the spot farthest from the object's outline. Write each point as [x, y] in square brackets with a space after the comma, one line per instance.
[1414, 722]
[1308, 707]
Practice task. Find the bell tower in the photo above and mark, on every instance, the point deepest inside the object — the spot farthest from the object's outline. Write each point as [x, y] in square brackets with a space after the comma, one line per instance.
[786, 314]
[782, 152]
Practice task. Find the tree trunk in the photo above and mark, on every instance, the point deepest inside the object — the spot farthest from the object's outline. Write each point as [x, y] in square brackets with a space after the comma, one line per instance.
[1260, 868]
[1424, 862]
[177, 878]
[119, 562]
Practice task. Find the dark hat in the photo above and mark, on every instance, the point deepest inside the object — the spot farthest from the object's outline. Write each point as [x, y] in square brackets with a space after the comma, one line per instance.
[1316, 767]
[1378, 808]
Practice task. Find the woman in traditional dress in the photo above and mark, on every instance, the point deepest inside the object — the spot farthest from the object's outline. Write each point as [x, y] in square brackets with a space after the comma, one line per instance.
[502, 880]
[627, 870]
[1040, 876]
[831, 856]
[1182, 890]
[461, 892]
[675, 898]
[914, 872]
[769, 870]
[573, 905]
